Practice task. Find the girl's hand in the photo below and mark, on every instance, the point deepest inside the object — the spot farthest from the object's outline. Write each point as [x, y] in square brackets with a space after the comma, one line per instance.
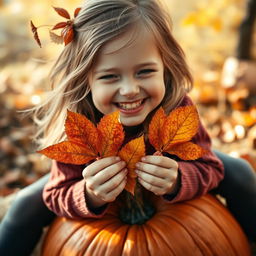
[157, 174]
[105, 180]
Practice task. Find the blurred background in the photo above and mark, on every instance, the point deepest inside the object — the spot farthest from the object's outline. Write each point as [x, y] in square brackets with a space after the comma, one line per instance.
[208, 31]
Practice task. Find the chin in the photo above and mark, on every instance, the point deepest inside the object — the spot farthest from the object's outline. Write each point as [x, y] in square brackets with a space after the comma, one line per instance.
[130, 123]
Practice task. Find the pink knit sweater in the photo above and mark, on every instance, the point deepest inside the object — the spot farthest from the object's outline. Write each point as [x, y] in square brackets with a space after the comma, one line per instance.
[64, 193]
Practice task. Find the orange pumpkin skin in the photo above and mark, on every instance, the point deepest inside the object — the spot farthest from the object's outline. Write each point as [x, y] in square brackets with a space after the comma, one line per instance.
[200, 227]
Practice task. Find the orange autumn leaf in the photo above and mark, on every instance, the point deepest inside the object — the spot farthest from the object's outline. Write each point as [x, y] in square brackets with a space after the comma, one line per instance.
[69, 153]
[172, 133]
[111, 135]
[155, 129]
[180, 126]
[131, 153]
[187, 151]
[82, 131]
[130, 185]
[84, 139]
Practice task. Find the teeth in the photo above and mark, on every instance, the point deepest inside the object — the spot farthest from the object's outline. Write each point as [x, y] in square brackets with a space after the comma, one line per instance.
[130, 105]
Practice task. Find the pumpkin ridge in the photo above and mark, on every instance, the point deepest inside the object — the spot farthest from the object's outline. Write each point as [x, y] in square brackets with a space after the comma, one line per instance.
[150, 238]
[68, 237]
[145, 236]
[91, 236]
[95, 238]
[127, 248]
[195, 234]
[175, 220]
[120, 229]
[155, 230]
[86, 222]
[141, 240]
[126, 228]
[109, 238]
[223, 231]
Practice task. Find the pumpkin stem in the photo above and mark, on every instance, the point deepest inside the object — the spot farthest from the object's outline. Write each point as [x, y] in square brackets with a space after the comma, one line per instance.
[136, 210]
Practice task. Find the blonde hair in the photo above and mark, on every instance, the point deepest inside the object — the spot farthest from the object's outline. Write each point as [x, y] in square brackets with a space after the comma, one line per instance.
[98, 22]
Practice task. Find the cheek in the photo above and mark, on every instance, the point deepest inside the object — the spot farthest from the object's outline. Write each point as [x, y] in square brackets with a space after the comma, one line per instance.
[101, 97]
[158, 91]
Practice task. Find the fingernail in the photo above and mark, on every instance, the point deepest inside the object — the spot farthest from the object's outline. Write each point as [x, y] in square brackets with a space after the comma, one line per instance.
[118, 158]
[143, 159]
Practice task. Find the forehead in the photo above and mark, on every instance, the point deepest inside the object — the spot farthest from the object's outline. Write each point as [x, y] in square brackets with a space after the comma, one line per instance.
[136, 43]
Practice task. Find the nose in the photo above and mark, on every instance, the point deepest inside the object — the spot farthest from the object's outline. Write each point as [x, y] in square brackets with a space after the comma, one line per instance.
[129, 88]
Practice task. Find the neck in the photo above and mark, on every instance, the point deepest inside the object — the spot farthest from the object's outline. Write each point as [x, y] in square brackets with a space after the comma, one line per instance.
[133, 129]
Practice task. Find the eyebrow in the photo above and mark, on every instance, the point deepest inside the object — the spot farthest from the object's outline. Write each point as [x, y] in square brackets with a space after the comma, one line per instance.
[114, 69]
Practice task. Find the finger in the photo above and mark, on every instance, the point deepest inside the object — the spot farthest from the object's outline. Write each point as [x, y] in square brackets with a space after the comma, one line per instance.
[156, 190]
[162, 161]
[112, 194]
[155, 170]
[109, 172]
[99, 165]
[151, 179]
[114, 182]
[115, 192]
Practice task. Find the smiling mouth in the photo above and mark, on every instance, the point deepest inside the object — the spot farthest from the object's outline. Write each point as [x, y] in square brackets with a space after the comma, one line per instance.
[130, 105]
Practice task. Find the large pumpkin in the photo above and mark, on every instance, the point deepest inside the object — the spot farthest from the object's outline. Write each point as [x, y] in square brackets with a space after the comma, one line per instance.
[201, 226]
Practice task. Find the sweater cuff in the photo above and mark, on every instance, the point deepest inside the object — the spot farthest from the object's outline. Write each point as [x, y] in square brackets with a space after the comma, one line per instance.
[176, 190]
[187, 185]
[82, 208]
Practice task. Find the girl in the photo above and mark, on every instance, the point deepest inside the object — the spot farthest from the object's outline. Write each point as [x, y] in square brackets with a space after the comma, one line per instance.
[123, 57]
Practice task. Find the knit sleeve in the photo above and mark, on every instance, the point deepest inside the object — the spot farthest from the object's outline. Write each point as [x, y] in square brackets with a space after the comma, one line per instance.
[64, 193]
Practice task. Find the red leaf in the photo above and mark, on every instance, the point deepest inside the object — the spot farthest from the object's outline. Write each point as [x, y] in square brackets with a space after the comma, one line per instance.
[62, 12]
[77, 10]
[34, 30]
[67, 34]
[60, 25]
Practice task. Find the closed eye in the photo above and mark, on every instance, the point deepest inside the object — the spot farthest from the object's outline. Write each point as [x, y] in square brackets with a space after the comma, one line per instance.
[146, 71]
[108, 77]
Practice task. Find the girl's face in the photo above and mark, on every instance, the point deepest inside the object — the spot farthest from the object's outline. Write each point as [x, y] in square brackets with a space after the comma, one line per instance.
[128, 76]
